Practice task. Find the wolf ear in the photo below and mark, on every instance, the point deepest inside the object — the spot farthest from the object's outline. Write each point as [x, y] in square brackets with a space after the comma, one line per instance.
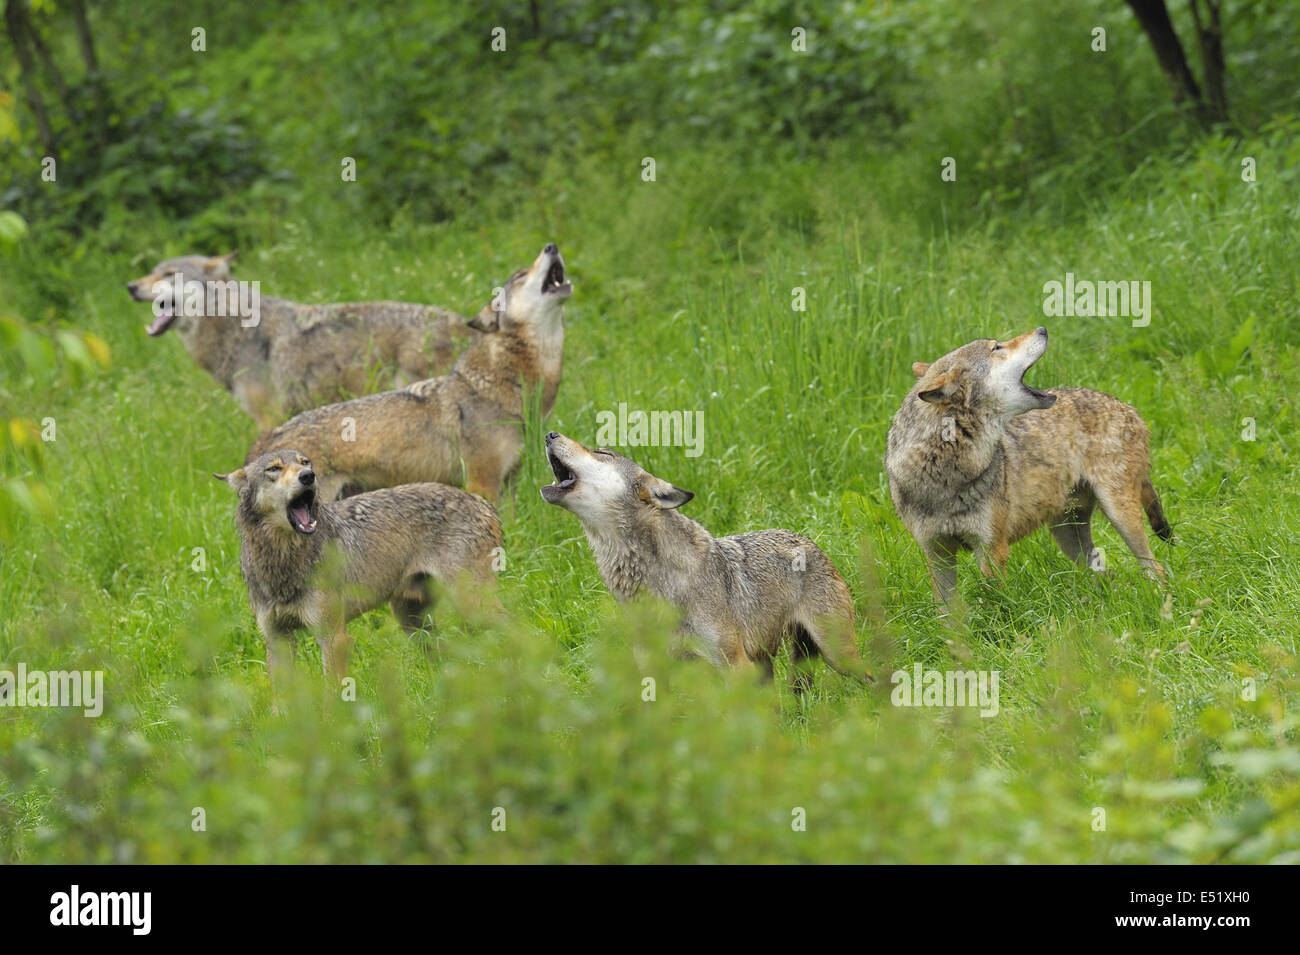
[237, 479]
[919, 368]
[220, 263]
[487, 320]
[939, 389]
[664, 495]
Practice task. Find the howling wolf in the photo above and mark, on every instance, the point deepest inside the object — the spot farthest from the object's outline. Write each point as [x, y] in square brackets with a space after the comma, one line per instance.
[977, 460]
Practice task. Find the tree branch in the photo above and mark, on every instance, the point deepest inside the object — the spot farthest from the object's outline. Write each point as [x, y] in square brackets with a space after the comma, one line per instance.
[16, 24]
[1154, 18]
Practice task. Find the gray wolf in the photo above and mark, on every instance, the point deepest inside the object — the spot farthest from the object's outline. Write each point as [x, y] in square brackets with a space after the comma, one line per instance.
[317, 565]
[463, 428]
[289, 357]
[742, 597]
[977, 460]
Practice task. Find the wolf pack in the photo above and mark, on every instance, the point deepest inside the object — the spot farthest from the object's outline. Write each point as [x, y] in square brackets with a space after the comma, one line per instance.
[390, 430]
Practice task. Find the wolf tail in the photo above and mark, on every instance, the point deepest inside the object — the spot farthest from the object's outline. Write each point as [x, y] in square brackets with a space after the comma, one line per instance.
[1155, 513]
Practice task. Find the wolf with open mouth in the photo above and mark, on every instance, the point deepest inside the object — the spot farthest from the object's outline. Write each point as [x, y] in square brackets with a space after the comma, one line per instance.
[977, 459]
[464, 428]
[313, 564]
[288, 357]
[742, 597]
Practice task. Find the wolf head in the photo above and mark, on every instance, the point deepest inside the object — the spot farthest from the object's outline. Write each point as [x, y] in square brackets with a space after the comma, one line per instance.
[277, 489]
[604, 488]
[532, 296]
[160, 284]
[987, 376]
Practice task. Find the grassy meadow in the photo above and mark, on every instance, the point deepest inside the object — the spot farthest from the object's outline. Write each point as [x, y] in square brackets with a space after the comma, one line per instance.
[1135, 725]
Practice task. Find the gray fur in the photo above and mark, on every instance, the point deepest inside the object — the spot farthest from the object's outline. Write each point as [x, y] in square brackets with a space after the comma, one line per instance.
[977, 460]
[386, 546]
[299, 356]
[742, 597]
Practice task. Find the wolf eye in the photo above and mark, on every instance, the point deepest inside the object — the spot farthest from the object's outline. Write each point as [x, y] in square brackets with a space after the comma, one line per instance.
[274, 467]
[997, 347]
[608, 454]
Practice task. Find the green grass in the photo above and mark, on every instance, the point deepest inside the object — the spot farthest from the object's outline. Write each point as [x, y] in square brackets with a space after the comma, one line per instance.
[1114, 696]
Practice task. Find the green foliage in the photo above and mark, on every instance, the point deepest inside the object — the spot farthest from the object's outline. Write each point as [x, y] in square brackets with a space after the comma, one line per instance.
[437, 120]
[193, 159]
[12, 228]
[29, 361]
[67, 360]
[589, 769]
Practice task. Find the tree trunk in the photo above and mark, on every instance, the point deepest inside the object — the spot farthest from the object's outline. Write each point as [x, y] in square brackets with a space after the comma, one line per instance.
[1154, 18]
[85, 38]
[47, 61]
[16, 26]
[1209, 32]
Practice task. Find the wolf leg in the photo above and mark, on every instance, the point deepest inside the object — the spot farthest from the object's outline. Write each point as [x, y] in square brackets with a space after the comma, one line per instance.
[495, 455]
[1073, 534]
[413, 608]
[722, 644]
[413, 605]
[335, 645]
[1124, 509]
[253, 395]
[484, 483]
[941, 553]
[279, 659]
[490, 454]
[413, 615]
[993, 557]
[1075, 540]
[802, 650]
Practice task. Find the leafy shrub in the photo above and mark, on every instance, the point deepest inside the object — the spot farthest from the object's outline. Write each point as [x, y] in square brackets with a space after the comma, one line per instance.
[156, 161]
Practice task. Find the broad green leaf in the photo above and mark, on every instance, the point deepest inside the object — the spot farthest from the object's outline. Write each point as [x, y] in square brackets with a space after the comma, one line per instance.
[12, 228]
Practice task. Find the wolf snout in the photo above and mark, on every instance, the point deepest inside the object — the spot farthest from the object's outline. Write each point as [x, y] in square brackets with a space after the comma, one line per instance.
[551, 436]
[551, 248]
[307, 477]
[1040, 331]
[131, 287]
